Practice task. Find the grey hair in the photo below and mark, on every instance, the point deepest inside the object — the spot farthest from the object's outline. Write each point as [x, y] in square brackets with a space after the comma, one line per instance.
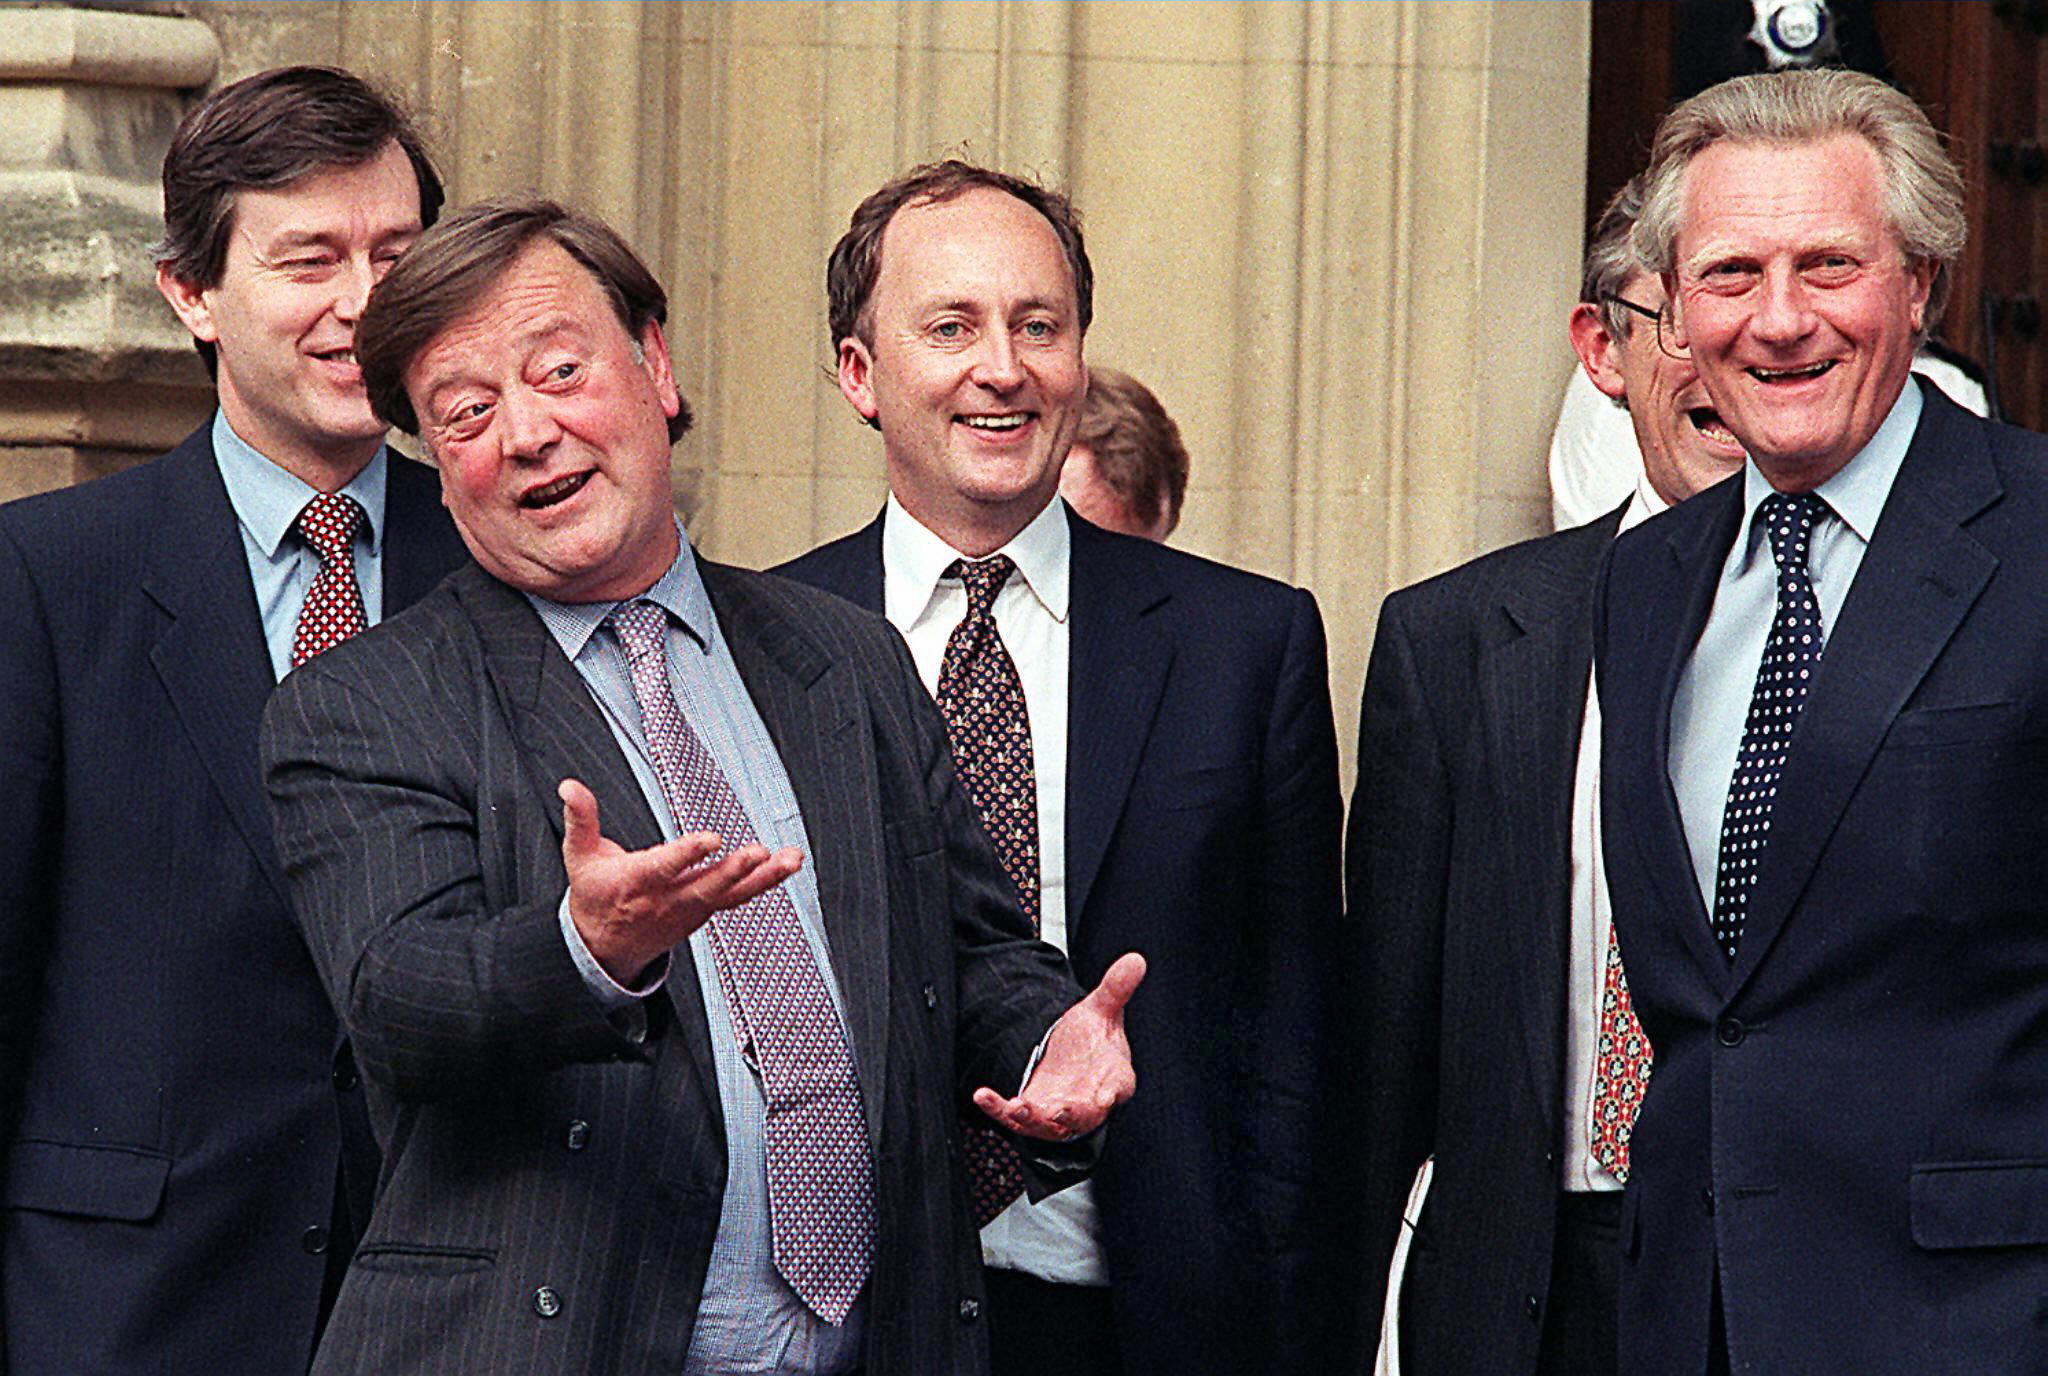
[1611, 258]
[1923, 189]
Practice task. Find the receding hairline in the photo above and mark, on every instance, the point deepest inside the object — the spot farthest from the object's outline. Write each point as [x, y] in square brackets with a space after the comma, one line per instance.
[864, 318]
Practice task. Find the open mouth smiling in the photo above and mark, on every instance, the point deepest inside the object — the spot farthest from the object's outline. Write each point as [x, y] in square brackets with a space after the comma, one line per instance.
[558, 491]
[1774, 375]
[1013, 420]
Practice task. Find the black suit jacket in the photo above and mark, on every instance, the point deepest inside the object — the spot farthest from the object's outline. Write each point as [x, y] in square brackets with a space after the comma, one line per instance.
[1850, 1121]
[1459, 886]
[1203, 818]
[528, 1143]
[174, 1093]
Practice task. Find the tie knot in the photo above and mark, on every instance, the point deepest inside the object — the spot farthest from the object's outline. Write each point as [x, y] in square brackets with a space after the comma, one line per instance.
[642, 628]
[983, 579]
[1788, 520]
[329, 524]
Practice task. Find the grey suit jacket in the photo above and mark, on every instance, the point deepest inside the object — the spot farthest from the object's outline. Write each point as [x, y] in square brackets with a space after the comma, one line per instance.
[528, 1144]
[1459, 883]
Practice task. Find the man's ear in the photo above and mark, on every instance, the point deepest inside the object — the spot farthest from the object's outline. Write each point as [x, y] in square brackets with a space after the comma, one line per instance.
[856, 377]
[189, 302]
[652, 350]
[1598, 350]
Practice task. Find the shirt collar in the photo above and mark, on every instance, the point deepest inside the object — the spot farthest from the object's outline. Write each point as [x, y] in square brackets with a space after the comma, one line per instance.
[267, 499]
[1646, 503]
[915, 560]
[679, 592]
[1857, 491]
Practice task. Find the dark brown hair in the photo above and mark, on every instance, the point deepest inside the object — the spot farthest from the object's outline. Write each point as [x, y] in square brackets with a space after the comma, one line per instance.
[443, 276]
[1136, 445]
[856, 259]
[268, 131]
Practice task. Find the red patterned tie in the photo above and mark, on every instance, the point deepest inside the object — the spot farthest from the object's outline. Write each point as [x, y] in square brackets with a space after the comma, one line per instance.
[982, 700]
[333, 610]
[821, 1205]
[1621, 1069]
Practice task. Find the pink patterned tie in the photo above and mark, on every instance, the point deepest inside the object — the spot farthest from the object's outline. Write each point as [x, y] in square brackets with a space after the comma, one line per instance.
[821, 1205]
[333, 609]
[1621, 1067]
[982, 700]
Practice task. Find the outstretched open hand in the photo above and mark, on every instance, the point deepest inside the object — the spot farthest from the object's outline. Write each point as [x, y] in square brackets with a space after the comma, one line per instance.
[1086, 1070]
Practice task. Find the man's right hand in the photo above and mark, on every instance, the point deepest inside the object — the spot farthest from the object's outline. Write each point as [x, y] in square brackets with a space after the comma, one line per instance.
[632, 906]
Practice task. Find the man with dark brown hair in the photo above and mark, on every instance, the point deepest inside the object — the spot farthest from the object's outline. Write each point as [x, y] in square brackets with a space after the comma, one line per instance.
[1127, 470]
[186, 1158]
[1148, 738]
[667, 941]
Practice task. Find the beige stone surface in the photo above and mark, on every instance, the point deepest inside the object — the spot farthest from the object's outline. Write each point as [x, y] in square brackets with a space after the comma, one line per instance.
[1339, 240]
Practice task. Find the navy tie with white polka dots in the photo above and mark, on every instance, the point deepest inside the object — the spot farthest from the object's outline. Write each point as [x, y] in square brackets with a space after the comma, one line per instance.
[1791, 658]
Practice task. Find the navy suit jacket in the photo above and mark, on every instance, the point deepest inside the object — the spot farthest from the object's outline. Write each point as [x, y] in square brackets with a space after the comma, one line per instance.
[1203, 825]
[174, 1094]
[1851, 1120]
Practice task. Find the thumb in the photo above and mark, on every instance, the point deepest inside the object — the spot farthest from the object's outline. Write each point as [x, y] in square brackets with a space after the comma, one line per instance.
[579, 819]
[1119, 982]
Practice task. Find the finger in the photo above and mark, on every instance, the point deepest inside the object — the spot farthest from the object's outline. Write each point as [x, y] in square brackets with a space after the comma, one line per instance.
[580, 832]
[675, 859]
[1119, 982]
[994, 1105]
[742, 876]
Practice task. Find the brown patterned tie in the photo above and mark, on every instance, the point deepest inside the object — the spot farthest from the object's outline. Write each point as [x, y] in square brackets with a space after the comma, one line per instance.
[333, 610]
[982, 700]
[1621, 1068]
[821, 1209]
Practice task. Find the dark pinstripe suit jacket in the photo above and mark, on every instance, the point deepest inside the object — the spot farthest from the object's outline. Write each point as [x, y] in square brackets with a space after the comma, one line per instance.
[1459, 883]
[528, 1144]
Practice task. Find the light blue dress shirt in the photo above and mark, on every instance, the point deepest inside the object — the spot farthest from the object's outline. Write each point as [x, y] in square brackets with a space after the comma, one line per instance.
[1711, 704]
[749, 1320]
[282, 566]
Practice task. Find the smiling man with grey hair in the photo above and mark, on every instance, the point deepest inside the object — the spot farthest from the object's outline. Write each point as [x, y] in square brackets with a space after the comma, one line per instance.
[1825, 777]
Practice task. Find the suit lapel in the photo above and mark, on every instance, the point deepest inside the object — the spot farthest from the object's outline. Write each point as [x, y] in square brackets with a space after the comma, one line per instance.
[213, 660]
[811, 706]
[564, 735]
[1117, 665]
[420, 544]
[1680, 596]
[1918, 580]
[1533, 674]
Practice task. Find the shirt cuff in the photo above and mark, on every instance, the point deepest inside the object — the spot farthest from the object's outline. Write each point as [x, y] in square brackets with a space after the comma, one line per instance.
[614, 997]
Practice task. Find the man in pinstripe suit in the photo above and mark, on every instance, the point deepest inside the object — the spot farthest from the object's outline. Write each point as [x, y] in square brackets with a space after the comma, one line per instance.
[573, 1073]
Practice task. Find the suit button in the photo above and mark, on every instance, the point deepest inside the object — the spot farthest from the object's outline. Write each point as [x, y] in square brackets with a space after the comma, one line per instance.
[1730, 1032]
[578, 1136]
[1707, 1198]
[970, 1309]
[1550, 1159]
[546, 1302]
[1535, 1308]
[345, 1077]
[931, 997]
[314, 1240]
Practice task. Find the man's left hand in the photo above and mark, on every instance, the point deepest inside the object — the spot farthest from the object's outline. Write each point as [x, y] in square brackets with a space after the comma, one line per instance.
[1086, 1070]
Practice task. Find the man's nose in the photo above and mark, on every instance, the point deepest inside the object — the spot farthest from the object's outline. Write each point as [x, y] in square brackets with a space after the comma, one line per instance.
[358, 275]
[528, 426]
[998, 367]
[1784, 308]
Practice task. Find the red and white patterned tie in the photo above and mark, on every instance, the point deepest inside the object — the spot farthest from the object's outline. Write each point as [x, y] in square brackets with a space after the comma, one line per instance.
[333, 609]
[982, 700]
[1621, 1067]
[821, 1205]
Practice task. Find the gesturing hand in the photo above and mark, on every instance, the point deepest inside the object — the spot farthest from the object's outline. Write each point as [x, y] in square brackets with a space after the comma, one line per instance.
[1086, 1070]
[631, 906]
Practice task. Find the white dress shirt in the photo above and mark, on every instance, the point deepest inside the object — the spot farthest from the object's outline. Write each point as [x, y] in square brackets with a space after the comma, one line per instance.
[1592, 920]
[1060, 1238]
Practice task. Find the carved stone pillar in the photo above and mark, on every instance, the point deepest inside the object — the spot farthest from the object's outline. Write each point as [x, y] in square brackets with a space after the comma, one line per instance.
[95, 371]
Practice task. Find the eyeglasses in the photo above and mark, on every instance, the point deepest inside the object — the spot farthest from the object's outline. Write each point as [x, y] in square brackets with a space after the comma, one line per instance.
[1666, 335]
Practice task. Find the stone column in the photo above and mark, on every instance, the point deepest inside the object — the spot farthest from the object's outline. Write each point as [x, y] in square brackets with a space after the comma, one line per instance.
[95, 371]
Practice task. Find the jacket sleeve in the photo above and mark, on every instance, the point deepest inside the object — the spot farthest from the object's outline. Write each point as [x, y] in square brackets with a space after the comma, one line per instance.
[1397, 869]
[446, 979]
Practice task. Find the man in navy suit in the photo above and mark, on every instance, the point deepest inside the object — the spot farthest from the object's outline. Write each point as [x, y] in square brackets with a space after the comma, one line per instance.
[1825, 767]
[182, 1143]
[1180, 776]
